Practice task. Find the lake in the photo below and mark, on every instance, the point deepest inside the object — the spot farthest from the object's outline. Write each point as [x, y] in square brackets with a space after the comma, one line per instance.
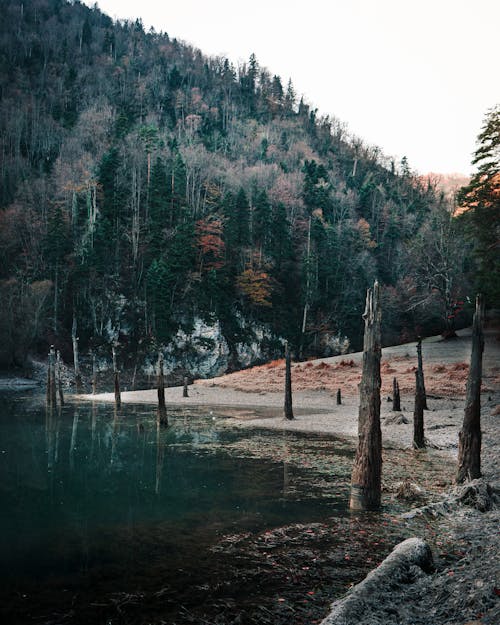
[107, 518]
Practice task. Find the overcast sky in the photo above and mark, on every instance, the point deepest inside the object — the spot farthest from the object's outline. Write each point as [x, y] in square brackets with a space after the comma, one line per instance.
[414, 78]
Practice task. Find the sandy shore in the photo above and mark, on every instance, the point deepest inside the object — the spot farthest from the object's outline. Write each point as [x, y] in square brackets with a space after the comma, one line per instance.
[316, 409]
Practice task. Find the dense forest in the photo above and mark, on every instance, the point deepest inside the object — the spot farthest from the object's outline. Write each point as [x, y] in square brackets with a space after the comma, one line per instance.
[152, 196]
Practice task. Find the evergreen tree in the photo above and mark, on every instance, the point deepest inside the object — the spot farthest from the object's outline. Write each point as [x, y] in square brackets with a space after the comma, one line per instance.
[481, 199]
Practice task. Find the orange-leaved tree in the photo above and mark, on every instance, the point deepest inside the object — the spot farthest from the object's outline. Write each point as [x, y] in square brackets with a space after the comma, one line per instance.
[210, 244]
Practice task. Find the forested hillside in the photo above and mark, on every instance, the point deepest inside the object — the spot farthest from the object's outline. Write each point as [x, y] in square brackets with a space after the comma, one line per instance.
[152, 196]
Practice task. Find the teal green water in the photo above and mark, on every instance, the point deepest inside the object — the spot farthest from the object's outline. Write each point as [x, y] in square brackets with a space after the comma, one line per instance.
[84, 489]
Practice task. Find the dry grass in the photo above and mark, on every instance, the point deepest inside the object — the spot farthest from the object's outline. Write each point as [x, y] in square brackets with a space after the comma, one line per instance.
[446, 380]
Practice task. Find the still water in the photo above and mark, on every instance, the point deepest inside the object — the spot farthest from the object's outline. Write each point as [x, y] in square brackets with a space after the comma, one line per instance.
[95, 503]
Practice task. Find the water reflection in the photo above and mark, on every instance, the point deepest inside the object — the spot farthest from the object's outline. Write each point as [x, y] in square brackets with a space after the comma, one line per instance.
[88, 490]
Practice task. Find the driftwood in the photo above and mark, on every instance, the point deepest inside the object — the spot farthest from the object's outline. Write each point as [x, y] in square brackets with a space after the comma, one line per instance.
[408, 561]
[367, 470]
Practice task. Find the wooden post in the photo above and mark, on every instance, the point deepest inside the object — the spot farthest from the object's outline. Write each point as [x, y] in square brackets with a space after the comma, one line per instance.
[396, 397]
[118, 398]
[185, 389]
[421, 371]
[162, 410]
[59, 378]
[367, 470]
[339, 397]
[418, 413]
[469, 437]
[94, 375]
[288, 410]
[74, 338]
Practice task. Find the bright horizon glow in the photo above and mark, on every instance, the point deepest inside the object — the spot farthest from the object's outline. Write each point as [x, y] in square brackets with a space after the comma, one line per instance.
[413, 78]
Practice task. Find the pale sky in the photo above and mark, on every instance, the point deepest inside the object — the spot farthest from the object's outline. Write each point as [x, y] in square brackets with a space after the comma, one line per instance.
[412, 77]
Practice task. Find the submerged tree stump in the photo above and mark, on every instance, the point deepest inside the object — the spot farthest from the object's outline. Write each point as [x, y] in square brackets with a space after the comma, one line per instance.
[51, 378]
[76, 364]
[396, 397]
[118, 397]
[469, 437]
[418, 414]
[94, 375]
[367, 470]
[288, 410]
[59, 378]
[162, 409]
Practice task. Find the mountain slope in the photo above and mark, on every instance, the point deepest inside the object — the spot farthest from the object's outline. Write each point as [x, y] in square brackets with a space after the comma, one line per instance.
[147, 190]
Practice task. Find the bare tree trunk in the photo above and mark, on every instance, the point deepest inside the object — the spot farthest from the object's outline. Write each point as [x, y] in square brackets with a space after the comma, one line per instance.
[52, 376]
[418, 413]
[396, 397]
[367, 470]
[118, 398]
[288, 410]
[185, 389]
[339, 397]
[421, 371]
[162, 410]
[94, 375]
[74, 337]
[59, 378]
[469, 437]
[308, 287]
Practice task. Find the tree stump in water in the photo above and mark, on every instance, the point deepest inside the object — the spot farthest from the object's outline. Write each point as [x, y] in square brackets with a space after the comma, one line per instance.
[367, 470]
[59, 378]
[469, 437]
[118, 397]
[288, 410]
[162, 409]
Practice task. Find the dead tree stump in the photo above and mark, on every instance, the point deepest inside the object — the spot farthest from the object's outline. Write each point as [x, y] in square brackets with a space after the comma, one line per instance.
[52, 377]
[75, 339]
[421, 371]
[418, 413]
[339, 397]
[185, 389]
[94, 375]
[118, 397]
[469, 437]
[367, 470]
[59, 378]
[162, 409]
[396, 397]
[288, 410]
